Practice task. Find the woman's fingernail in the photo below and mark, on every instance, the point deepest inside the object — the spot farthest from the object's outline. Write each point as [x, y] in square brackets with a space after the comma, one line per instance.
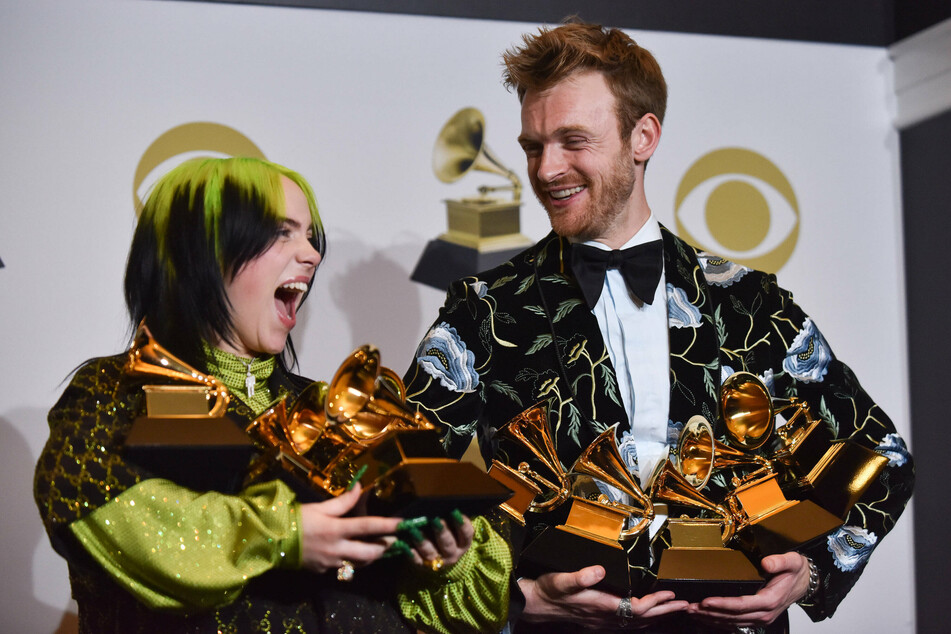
[457, 517]
[356, 477]
[412, 522]
[397, 549]
[436, 525]
[415, 535]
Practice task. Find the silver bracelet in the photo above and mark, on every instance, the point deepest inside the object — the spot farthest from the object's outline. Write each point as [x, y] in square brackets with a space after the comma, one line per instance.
[813, 583]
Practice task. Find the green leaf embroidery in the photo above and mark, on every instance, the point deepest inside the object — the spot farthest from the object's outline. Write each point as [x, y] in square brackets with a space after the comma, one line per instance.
[566, 307]
[507, 390]
[541, 341]
[525, 284]
[502, 281]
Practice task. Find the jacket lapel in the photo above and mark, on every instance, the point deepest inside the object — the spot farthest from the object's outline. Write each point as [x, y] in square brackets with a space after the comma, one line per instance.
[585, 365]
[693, 332]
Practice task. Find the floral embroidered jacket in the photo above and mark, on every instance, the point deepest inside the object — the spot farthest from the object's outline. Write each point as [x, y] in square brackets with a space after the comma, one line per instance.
[522, 333]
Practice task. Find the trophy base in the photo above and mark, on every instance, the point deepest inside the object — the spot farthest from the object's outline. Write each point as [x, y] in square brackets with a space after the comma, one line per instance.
[434, 487]
[568, 549]
[443, 262]
[696, 573]
[788, 529]
[181, 449]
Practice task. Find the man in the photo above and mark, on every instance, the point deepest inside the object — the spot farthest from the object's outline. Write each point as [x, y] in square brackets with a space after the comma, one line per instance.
[648, 357]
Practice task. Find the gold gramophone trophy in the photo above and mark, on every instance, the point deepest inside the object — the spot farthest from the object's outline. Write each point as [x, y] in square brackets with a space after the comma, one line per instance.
[483, 230]
[359, 428]
[831, 475]
[699, 562]
[184, 427]
[595, 531]
[765, 522]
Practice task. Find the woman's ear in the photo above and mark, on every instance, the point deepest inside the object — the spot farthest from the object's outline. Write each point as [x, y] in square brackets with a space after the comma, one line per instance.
[645, 137]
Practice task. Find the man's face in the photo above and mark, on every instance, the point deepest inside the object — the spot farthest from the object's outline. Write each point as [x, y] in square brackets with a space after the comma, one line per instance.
[580, 169]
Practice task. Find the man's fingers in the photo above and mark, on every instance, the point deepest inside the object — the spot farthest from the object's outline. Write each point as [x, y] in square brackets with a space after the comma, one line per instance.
[564, 583]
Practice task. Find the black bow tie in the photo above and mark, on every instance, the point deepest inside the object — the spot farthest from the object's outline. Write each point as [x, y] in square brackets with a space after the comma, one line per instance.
[640, 267]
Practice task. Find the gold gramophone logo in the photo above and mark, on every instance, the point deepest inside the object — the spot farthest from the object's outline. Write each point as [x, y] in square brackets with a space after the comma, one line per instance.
[738, 204]
[189, 140]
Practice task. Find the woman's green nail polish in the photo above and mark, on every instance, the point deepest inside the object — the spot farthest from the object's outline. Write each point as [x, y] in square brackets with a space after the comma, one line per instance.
[413, 522]
[457, 517]
[436, 525]
[356, 477]
[397, 549]
[415, 535]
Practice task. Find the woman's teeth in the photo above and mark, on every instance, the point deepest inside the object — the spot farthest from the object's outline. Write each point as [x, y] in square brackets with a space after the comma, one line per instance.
[564, 193]
[300, 287]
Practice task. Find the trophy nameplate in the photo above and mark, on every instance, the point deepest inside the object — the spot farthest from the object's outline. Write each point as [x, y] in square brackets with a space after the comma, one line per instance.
[697, 565]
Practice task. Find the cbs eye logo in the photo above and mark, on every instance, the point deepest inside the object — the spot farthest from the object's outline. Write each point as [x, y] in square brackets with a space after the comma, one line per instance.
[737, 204]
[189, 140]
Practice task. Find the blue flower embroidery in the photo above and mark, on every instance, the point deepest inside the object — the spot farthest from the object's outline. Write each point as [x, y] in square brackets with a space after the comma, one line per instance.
[720, 272]
[673, 435]
[444, 356]
[479, 288]
[725, 373]
[680, 312]
[893, 447]
[629, 457]
[851, 546]
[628, 452]
[809, 355]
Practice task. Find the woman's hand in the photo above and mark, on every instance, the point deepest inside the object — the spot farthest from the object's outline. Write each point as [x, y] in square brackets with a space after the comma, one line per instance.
[434, 544]
[330, 540]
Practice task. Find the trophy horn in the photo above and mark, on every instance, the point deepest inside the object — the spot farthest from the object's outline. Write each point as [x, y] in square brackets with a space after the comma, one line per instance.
[748, 410]
[366, 399]
[602, 460]
[530, 430]
[699, 454]
[672, 488]
[460, 147]
[149, 358]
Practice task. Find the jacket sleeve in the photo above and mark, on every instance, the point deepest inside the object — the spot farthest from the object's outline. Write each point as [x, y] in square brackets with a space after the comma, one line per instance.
[95, 503]
[805, 367]
[445, 380]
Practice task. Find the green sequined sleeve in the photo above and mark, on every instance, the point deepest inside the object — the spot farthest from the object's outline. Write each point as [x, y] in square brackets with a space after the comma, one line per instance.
[470, 596]
[176, 549]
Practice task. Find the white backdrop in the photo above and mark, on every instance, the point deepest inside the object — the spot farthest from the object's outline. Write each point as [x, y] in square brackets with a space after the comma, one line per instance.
[354, 101]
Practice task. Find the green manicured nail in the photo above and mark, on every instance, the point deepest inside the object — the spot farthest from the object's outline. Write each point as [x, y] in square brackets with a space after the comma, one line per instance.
[356, 477]
[399, 548]
[457, 517]
[436, 525]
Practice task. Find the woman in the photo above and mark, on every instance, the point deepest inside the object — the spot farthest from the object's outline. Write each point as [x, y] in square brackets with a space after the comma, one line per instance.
[224, 253]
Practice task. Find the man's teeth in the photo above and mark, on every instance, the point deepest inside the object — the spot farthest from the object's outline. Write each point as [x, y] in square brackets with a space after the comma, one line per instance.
[300, 287]
[564, 193]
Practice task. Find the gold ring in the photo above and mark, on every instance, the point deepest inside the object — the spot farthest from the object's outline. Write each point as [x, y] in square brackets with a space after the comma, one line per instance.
[435, 564]
[345, 571]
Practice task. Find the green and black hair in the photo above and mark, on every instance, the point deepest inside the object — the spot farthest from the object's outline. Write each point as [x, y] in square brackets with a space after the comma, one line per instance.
[200, 224]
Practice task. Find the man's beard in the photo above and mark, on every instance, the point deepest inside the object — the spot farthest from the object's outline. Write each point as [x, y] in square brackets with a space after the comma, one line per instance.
[604, 206]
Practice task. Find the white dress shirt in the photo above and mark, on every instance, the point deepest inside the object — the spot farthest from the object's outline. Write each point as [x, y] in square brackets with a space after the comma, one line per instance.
[635, 335]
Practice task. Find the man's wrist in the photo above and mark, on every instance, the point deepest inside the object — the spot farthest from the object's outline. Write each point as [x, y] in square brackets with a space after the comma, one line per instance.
[813, 588]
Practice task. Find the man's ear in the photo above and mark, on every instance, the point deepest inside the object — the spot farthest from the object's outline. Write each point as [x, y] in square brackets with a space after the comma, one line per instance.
[645, 137]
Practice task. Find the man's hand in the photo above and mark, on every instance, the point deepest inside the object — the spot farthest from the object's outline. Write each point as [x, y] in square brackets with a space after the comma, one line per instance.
[567, 596]
[788, 582]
